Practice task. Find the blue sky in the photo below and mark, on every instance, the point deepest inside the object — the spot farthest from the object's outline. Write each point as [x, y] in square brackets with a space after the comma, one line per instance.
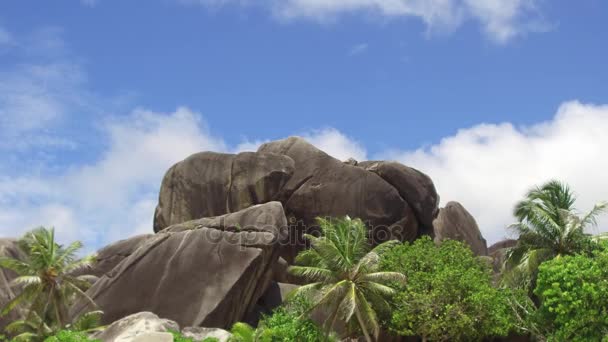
[98, 98]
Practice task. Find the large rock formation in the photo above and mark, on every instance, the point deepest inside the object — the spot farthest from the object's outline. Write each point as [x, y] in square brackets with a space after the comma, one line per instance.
[199, 277]
[209, 184]
[394, 200]
[9, 248]
[324, 186]
[456, 223]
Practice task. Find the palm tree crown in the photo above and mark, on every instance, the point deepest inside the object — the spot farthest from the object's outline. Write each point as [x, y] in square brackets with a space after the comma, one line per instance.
[344, 275]
[549, 226]
[47, 279]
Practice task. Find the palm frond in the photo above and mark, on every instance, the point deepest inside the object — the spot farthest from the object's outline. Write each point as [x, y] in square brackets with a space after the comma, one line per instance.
[385, 277]
[312, 274]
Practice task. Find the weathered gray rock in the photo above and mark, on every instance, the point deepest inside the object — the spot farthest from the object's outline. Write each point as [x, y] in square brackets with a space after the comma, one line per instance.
[324, 186]
[498, 253]
[111, 255]
[209, 184]
[201, 277]
[9, 248]
[199, 334]
[415, 187]
[268, 217]
[154, 337]
[127, 329]
[456, 223]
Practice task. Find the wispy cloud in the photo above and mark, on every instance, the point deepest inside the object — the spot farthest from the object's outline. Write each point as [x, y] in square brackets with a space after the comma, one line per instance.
[358, 49]
[500, 20]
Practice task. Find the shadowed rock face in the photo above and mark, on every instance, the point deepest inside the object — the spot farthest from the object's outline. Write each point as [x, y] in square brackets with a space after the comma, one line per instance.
[9, 248]
[416, 188]
[201, 277]
[210, 184]
[456, 223]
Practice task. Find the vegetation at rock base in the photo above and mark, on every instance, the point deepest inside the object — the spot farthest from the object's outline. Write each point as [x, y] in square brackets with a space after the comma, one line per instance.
[178, 337]
[49, 283]
[344, 275]
[448, 295]
[70, 336]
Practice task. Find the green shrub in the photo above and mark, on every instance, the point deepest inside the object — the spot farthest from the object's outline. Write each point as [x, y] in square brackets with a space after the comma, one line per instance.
[574, 297]
[448, 295]
[178, 337]
[70, 336]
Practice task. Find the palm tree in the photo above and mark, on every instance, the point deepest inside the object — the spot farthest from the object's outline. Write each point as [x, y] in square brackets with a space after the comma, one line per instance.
[344, 275]
[549, 226]
[47, 279]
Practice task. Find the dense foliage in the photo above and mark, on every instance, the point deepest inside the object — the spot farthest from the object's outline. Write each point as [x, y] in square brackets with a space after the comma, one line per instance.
[289, 323]
[449, 294]
[344, 275]
[574, 296]
[70, 336]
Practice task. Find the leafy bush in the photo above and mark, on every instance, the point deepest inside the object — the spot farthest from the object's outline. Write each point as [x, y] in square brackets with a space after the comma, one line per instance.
[448, 295]
[574, 297]
[70, 336]
[178, 337]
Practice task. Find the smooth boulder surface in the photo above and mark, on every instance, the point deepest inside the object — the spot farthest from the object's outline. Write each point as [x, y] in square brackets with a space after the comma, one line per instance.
[456, 223]
[154, 337]
[9, 248]
[268, 217]
[415, 187]
[111, 255]
[209, 184]
[201, 277]
[324, 186]
[199, 334]
[130, 327]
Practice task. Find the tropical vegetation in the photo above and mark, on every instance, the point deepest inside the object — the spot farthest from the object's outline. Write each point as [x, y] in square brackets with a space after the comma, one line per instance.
[50, 278]
[448, 296]
[345, 278]
[553, 285]
[548, 226]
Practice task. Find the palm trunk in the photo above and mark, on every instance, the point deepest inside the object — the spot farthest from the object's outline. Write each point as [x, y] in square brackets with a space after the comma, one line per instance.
[362, 324]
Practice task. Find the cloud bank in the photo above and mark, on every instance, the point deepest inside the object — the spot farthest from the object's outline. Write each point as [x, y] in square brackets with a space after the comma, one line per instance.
[489, 167]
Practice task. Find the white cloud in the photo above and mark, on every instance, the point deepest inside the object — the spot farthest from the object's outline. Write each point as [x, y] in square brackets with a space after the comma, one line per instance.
[489, 167]
[115, 196]
[501, 20]
[329, 140]
[358, 49]
[336, 144]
